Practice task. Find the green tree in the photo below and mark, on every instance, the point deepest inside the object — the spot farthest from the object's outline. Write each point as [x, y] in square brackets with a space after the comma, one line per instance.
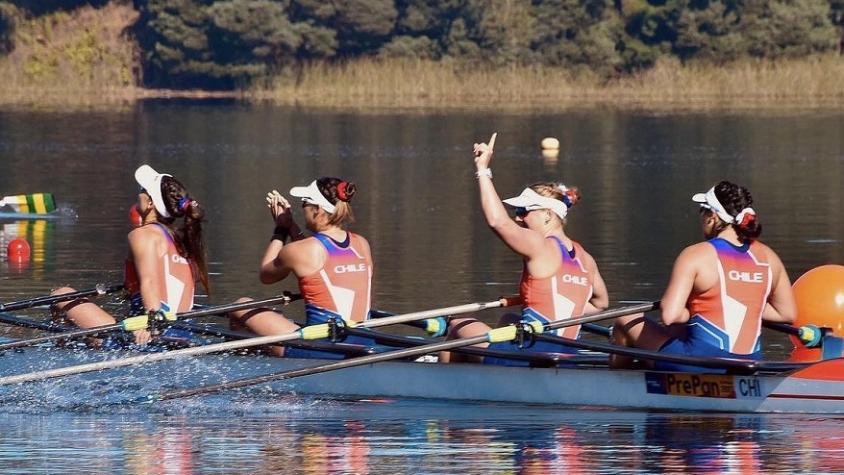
[360, 26]
[8, 12]
[583, 33]
[724, 31]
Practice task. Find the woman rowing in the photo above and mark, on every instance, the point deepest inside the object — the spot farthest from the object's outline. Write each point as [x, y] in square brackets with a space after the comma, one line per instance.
[333, 267]
[560, 279]
[720, 289]
[164, 260]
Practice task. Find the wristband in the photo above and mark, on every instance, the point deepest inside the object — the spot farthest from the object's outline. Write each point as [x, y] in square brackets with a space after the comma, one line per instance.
[487, 172]
[280, 233]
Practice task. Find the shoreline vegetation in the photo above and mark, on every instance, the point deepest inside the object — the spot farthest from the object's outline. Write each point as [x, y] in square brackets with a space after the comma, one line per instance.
[86, 59]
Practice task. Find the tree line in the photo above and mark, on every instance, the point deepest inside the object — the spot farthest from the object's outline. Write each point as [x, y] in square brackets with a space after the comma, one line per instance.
[225, 44]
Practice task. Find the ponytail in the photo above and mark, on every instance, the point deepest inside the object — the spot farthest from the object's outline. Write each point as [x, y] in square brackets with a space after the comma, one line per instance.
[188, 237]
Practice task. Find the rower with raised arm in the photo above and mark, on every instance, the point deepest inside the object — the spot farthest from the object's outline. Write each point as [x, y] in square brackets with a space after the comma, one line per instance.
[720, 289]
[560, 280]
[333, 267]
[164, 260]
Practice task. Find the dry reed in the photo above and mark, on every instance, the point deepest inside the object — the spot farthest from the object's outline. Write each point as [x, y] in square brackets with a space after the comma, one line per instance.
[808, 82]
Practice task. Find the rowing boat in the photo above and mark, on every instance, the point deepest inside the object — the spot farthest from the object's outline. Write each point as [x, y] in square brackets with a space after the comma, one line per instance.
[816, 388]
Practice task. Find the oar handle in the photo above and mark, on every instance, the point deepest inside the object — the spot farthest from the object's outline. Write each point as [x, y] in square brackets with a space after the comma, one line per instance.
[810, 335]
[100, 289]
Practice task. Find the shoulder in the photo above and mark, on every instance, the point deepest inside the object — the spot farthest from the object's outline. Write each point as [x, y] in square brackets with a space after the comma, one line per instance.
[144, 234]
[303, 249]
[357, 239]
[696, 254]
[581, 253]
[764, 253]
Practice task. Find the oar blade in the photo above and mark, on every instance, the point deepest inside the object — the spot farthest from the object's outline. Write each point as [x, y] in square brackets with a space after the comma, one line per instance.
[35, 203]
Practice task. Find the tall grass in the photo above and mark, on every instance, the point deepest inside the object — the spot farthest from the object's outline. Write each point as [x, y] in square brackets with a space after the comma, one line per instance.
[807, 82]
[78, 58]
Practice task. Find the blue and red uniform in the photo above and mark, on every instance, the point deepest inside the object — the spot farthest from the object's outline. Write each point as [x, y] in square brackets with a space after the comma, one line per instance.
[176, 288]
[342, 288]
[561, 296]
[726, 320]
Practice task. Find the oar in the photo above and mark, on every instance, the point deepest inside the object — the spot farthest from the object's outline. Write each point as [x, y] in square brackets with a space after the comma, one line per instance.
[744, 365]
[313, 332]
[435, 327]
[142, 322]
[507, 333]
[36, 203]
[100, 289]
[810, 335]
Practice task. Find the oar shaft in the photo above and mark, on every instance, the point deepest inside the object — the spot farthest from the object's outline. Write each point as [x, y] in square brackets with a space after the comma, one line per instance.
[782, 327]
[119, 326]
[363, 360]
[59, 336]
[236, 345]
[100, 289]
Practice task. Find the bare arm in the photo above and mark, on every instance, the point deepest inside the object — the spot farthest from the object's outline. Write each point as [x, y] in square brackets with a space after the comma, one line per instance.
[673, 303]
[781, 306]
[144, 249]
[600, 297]
[521, 240]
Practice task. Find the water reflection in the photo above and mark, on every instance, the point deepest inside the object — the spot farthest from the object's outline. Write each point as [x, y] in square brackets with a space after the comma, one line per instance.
[396, 438]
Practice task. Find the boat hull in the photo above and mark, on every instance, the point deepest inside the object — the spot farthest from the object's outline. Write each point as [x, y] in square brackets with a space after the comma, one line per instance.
[816, 389]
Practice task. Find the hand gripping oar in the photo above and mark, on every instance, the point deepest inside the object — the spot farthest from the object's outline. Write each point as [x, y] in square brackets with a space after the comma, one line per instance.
[507, 333]
[313, 332]
[143, 321]
[100, 289]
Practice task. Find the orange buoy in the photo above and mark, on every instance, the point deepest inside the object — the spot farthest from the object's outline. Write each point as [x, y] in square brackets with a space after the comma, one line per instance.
[819, 295]
[18, 250]
[135, 216]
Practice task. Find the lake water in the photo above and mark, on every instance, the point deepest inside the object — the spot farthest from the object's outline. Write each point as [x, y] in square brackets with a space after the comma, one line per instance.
[417, 204]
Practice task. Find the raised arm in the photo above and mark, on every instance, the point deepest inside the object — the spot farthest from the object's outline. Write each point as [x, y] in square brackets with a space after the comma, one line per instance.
[273, 267]
[521, 240]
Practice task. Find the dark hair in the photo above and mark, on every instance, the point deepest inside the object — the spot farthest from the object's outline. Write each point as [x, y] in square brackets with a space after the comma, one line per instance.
[735, 198]
[188, 237]
[339, 193]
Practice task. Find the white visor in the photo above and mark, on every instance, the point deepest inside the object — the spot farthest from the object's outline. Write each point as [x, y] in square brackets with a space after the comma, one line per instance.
[531, 200]
[150, 181]
[708, 200]
[310, 194]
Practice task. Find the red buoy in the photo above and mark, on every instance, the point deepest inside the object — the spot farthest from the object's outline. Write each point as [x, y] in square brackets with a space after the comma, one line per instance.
[18, 250]
[135, 216]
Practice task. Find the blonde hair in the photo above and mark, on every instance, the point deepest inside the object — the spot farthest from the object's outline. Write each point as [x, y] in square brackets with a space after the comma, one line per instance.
[339, 193]
[558, 191]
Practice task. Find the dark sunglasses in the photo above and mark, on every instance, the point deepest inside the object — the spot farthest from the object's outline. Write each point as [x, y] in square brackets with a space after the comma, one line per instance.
[522, 212]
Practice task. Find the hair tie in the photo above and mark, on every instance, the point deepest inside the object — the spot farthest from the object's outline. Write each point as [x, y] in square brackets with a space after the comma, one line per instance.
[745, 217]
[184, 203]
[341, 191]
